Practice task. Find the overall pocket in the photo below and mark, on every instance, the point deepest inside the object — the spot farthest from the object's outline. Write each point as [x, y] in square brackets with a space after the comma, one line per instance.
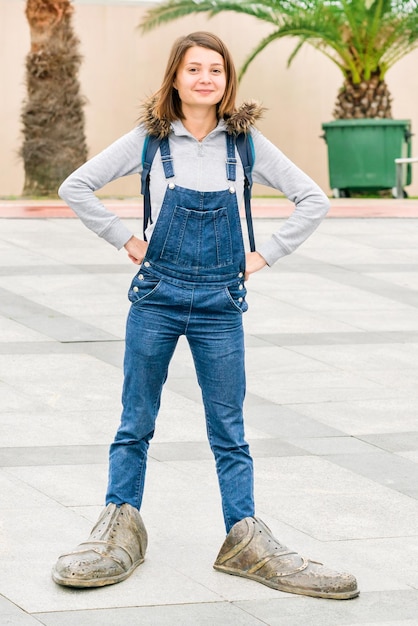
[236, 295]
[143, 286]
[198, 239]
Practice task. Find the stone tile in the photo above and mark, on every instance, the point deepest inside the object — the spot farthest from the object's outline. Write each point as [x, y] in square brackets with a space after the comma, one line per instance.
[384, 468]
[64, 381]
[186, 451]
[12, 399]
[277, 360]
[253, 399]
[186, 387]
[12, 615]
[279, 317]
[366, 416]
[399, 319]
[41, 425]
[285, 422]
[186, 615]
[355, 337]
[405, 279]
[399, 379]
[412, 456]
[335, 296]
[63, 328]
[46, 346]
[50, 455]
[349, 556]
[369, 607]
[404, 622]
[180, 419]
[273, 448]
[315, 386]
[12, 257]
[14, 331]
[180, 451]
[321, 446]
[399, 554]
[363, 358]
[47, 321]
[113, 325]
[56, 292]
[15, 490]
[70, 485]
[394, 442]
[301, 490]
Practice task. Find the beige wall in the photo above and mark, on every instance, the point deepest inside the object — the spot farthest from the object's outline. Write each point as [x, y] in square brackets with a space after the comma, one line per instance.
[122, 65]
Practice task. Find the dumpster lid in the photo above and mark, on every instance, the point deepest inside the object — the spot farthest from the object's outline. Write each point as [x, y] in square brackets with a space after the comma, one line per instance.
[366, 121]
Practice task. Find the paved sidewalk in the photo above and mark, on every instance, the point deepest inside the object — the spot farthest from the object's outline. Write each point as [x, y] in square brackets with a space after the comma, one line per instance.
[331, 410]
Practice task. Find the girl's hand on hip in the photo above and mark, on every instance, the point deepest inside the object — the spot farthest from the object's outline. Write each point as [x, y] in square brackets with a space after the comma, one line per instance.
[136, 249]
[253, 262]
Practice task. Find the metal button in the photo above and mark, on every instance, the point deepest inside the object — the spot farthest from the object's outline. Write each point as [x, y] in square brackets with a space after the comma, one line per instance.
[171, 186]
[141, 276]
[240, 275]
[135, 288]
[147, 264]
[241, 287]
[232, 190]
[240, 299]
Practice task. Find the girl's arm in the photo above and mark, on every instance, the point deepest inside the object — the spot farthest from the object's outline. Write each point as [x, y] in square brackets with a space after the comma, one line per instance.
[274, 169]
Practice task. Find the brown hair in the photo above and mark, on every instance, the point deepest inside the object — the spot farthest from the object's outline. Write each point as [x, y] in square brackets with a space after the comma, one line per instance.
[168, 103]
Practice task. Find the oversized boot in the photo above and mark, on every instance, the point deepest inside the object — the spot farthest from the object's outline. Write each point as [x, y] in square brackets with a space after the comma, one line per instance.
[116, 546]
[251, 551]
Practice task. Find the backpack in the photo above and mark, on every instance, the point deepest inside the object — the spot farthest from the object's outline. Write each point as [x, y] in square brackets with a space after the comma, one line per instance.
[245, 147]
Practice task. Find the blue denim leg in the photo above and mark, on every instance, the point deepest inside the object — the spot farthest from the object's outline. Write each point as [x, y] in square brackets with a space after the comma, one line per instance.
[211, 318]
[152, 332]
[215, 335]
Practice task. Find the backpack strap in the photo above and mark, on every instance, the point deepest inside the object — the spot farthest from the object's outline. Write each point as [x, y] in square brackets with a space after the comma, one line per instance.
[151, 146]
[245, 147]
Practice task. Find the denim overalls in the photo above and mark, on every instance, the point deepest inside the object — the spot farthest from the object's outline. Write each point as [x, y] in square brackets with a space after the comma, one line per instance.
[191, 282]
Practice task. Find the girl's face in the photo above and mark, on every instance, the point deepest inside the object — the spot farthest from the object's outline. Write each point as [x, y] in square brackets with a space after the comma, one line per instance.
[200, 79]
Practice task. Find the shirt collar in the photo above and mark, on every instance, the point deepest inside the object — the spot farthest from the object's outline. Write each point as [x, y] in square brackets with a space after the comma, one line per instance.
[179, 129]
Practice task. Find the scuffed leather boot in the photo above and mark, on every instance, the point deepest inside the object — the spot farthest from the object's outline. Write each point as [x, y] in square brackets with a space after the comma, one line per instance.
[251, 551]
[116, 546]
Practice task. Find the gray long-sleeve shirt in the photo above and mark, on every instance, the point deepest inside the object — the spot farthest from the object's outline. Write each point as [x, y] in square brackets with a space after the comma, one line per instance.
[199, 166]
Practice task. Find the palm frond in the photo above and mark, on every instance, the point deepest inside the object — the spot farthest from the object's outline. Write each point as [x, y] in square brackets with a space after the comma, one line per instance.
[262, 44]
[362, 37]
[175, 9]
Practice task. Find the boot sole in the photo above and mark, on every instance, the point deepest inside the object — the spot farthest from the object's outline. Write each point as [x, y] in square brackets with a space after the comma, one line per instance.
[344, 595]
[93, 582]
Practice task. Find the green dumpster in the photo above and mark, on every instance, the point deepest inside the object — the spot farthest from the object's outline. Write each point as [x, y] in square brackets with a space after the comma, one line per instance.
[362, 153]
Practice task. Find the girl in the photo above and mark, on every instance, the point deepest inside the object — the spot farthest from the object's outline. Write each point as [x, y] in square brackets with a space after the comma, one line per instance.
[191, 282]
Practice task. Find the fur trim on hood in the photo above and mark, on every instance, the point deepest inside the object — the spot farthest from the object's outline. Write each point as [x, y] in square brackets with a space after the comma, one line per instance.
[239, 122]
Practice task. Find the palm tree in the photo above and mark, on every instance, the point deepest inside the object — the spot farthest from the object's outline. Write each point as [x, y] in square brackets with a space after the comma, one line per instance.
[53, 119]
[364, 38]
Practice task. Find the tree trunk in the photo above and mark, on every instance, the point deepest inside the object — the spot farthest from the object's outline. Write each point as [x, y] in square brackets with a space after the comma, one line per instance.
[53, 119]
[367, 99]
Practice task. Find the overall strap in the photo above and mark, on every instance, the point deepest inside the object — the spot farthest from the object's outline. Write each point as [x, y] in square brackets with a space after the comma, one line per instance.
[166, 158]
[231, 162]
[245, 147]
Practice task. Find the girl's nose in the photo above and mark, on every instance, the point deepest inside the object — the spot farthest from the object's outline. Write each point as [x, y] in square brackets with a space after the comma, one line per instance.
[205, 78]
